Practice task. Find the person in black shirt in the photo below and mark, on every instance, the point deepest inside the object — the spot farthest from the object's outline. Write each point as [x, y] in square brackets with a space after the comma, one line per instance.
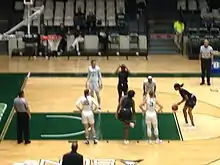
[123, 73]
[190, 102]
[125, 111]
[63, 42]
[73, 157]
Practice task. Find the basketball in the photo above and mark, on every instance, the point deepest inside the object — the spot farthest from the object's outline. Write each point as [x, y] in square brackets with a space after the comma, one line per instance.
[174, 107]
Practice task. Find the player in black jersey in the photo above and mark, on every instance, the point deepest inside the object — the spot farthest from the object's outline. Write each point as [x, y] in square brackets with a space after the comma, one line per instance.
[126, 112]
[123, 73]
[190, 102]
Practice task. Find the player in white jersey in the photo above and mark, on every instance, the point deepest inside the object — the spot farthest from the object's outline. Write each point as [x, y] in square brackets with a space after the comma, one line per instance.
[86, 105]
[94, 80]
[151, 116]
[149, 85]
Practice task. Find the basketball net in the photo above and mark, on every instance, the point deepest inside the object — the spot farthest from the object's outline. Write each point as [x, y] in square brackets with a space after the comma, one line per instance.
[53, 41]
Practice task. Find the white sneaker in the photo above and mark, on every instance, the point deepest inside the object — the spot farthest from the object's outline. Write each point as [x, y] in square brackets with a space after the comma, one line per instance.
[126, 142]
[149, 141]
[158, 141]
[132, 125]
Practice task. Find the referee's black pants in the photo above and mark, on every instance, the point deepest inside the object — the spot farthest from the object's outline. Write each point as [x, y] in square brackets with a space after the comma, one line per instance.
[22, 127]
[206, 65]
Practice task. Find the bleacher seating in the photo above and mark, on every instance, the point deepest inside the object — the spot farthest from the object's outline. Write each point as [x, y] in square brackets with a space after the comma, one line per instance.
[106, 12]
[201, 24]
[59, 12]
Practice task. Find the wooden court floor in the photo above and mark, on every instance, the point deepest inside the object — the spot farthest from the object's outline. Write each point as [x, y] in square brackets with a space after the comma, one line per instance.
[200, 146]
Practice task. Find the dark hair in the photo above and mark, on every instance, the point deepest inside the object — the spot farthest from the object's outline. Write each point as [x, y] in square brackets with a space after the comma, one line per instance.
[20, 94]
[74, 146]
[86, 93]
[123, 67]
[178, 86]
[92, 61]
[131, 93]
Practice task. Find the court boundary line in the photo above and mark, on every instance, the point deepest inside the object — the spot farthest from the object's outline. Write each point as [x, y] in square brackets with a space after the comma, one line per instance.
[178, 126]
[213, 161]
[11, 115]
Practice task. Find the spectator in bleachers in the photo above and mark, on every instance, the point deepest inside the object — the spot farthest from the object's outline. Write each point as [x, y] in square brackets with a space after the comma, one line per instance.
[91, 21]
[79, 18]
[208, 22]
[79, 38]
[179, 29]
[103, 40]
[62, 32]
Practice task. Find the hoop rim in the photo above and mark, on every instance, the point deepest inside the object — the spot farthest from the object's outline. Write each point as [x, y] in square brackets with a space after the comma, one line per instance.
[50, 37]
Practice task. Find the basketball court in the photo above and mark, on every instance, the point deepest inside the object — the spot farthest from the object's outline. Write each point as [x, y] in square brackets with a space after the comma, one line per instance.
[56, 94]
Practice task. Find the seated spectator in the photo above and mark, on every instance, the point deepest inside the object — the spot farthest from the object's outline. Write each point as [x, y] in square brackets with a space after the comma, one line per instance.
[91, 21]
[103, 40]
[208, 21]
[79, 18]
[62, 32]
[79, 38]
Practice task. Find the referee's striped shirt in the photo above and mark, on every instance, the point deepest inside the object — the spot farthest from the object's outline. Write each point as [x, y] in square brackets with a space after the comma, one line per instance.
[206, 52]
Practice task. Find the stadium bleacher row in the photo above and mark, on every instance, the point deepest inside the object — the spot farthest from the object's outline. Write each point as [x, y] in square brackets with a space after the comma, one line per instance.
[63, 12]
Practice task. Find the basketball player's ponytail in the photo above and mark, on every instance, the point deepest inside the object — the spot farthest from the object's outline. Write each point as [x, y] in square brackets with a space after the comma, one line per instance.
[86, 93]
[178, 86]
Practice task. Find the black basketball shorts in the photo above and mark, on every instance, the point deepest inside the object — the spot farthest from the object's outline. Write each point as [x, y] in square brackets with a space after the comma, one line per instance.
[191, 102]
[125, 115]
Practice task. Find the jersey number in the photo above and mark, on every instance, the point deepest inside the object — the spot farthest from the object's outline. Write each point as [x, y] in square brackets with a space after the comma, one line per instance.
[86, 102]
[92, 74]
[151, 104]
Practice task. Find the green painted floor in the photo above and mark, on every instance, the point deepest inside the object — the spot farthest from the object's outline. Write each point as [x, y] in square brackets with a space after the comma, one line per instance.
[10, 84]
[67, 126]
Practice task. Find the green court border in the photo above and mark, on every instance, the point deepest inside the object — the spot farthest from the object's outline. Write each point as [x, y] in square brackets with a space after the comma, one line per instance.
[11, 115]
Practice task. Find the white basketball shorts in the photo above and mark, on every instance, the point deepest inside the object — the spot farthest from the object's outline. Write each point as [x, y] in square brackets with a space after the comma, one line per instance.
[94, 86]
[151, 118]
[88, 117]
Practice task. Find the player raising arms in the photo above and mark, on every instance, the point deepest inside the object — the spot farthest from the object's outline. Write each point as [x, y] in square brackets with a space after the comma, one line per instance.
[190, 102]
[94, 80]
[86, 104]
[123, 73]
[148, 86]
[125, 111]
[151, 116]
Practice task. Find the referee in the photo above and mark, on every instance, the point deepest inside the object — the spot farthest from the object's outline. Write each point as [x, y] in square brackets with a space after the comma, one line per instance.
[23, 117]
[206, 58]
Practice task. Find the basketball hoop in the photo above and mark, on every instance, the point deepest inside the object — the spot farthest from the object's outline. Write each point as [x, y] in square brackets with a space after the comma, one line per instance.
[53, 40]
